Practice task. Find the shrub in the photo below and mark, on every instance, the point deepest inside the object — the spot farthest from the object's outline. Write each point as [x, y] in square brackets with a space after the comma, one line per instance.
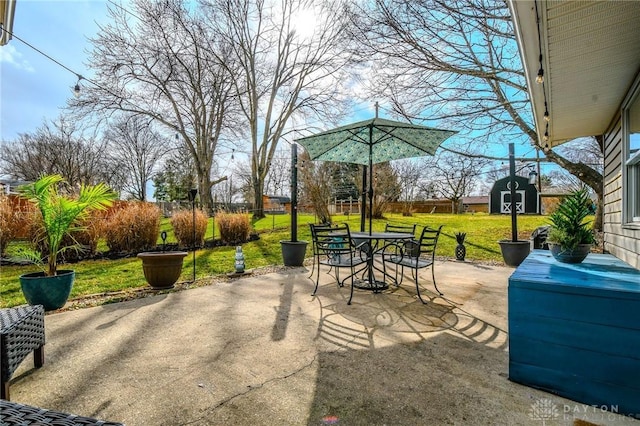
[133, 227]
[13, 219]
[182, 223]
[234, 227]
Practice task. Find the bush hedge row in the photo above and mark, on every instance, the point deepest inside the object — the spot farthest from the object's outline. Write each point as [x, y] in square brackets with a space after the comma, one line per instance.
[128, 226]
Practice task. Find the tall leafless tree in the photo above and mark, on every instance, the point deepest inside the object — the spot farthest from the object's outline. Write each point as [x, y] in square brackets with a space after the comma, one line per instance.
[409, 172]
[137, 148]
[59, 147]
[282, 72]
[456, 61]
[278, 179]
[385, 188]
[157, 60]
[453, 176]
[315, 186]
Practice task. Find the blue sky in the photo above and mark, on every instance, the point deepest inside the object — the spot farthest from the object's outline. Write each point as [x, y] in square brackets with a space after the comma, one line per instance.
[34, 88]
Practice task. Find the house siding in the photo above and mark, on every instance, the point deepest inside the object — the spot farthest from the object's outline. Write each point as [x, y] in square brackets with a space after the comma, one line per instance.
[624, 243]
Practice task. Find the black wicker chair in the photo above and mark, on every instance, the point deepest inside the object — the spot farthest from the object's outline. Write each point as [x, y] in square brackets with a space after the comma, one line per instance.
[21, 332]
[12, 413]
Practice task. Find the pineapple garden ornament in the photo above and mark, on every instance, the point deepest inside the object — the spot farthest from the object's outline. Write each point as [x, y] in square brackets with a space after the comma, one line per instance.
[461, 250]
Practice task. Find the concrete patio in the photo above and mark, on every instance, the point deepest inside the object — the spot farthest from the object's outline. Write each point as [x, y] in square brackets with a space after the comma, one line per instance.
[262, 350]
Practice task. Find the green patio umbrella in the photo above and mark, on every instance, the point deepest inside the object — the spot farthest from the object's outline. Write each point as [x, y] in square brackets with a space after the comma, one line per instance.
[373, 141]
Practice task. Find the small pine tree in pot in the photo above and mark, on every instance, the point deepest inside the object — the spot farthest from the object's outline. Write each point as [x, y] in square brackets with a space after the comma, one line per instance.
[571, 235]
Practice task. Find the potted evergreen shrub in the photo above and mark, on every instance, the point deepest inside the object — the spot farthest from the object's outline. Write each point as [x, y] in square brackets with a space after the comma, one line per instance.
[60, 215]
[571, 236]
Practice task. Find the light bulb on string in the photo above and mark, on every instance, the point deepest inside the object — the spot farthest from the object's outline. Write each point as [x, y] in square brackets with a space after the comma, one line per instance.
[76, 88]
[546, 113]
[540, 76]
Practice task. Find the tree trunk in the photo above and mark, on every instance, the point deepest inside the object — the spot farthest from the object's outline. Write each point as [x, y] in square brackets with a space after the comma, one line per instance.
[204, 187]
[587, 175]
[258, 204]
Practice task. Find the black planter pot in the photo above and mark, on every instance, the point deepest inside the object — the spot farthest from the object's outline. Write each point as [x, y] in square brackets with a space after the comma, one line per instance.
[577, 255]
[52, 292]
[514, 252]
[293, 252]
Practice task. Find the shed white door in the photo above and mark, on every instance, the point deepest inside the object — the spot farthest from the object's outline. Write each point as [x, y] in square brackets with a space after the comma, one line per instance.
[505, 201]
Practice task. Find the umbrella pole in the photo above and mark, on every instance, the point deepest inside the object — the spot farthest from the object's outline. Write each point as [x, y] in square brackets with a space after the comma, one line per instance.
[363, 213]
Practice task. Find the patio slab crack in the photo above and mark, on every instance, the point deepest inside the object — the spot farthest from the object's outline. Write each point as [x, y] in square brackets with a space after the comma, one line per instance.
[251, 388]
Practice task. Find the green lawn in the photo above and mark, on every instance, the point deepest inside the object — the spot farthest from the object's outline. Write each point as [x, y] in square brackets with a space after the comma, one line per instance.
[99, 276]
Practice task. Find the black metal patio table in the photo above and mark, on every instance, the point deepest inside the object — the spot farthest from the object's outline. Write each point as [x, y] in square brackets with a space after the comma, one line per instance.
[368, 280]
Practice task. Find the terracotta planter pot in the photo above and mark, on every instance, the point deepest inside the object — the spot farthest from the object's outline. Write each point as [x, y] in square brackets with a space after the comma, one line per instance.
[162, 268]
[576, 255]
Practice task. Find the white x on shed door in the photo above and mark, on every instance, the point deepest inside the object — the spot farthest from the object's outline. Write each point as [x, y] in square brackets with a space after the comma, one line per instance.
[505, 201]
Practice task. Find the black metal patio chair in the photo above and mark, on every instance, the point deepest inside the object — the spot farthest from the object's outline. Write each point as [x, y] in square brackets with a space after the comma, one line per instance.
[406, 229]
[334, 247]
[314, 248]
[414, 255]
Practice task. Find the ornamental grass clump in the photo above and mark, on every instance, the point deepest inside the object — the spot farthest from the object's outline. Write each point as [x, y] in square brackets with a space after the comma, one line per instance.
[569, 227]
[13, 218]
[182, 223]
[234, 227]
[133, 227]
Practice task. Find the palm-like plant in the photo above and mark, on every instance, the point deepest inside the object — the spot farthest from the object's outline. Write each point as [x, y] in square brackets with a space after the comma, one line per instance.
[61, 213]
[569, 226]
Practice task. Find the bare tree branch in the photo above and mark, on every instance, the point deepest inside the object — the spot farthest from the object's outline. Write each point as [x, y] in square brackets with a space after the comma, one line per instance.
[455, 61]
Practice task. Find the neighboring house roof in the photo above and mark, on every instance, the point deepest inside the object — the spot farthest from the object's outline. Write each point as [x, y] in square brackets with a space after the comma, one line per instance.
[478, 199]
[7, 11]
[590, 57]
[279, 199]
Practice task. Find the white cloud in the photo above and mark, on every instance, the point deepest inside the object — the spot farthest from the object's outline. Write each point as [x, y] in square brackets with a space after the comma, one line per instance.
[9, 55]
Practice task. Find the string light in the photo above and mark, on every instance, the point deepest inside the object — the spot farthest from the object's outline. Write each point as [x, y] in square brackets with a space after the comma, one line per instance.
[76, 88]
[546, 112]
[546, 133]
[540, 80]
